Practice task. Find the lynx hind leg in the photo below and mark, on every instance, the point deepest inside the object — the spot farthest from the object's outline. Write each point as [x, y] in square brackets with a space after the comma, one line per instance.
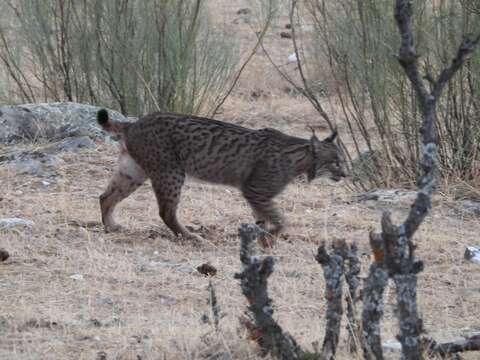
[167, 186]
[128, 178]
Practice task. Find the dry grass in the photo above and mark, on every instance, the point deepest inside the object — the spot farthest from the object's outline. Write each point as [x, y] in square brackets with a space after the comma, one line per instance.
[140, 293]
[140, 296]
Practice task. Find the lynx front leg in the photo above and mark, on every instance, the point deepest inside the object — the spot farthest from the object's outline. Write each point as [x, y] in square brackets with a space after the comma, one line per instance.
[168, 188]
[265, 212]
[126, 180]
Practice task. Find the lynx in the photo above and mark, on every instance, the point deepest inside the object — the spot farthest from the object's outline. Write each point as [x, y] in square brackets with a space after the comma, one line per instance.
[166, 147]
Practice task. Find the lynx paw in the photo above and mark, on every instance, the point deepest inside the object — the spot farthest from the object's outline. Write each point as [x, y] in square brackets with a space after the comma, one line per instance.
[113, 228]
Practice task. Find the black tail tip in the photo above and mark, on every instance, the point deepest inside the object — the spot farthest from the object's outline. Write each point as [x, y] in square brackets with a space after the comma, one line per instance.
[102, 116]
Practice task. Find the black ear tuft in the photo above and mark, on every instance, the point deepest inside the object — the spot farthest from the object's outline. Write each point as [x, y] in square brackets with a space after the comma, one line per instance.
[102, 116]
[332, 136]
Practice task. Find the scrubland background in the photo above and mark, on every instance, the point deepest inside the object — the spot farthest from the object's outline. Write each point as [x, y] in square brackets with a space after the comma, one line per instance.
[70, 291]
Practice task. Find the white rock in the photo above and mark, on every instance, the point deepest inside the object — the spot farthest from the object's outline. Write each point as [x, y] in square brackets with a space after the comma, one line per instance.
[391, 345]
[8, 223]
[292, 57]
[76, 277]
[472, 253]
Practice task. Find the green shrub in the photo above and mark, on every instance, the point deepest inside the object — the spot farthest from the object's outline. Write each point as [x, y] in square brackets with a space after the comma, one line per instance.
[133, 55]
[358, 40]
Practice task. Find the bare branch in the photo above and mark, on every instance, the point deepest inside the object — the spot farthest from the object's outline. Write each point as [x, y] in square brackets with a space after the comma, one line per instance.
[445, 350]
[351, 276]
[253, 281]
[466, 48]
[407, 55]
[373, 306]
[333, 267]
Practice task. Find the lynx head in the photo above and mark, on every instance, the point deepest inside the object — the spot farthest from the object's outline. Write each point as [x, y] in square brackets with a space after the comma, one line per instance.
[327, 158]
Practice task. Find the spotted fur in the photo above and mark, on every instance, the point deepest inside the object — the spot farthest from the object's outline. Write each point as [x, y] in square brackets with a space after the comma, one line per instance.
[166, 147]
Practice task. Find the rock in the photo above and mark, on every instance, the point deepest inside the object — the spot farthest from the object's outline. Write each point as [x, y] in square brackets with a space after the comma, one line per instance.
[39, 324]
[29, 167]
[76, 277]
[51, 121]
[35, 163]
[391, 346]
[38, 161]
[387, 195]
[244, 11]
[470, 206]
[286, 35]
[242, 20]
[18, 123]
[74, 143]
[4, 255]
[8, 223]
[292, 57]
[102, 355]
[207, 269]
[472, 253]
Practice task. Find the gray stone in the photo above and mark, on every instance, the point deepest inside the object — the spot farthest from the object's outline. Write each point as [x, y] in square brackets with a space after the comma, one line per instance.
[470, 206]
[387, 195]
[18, 124]
[472, 253]
[392, 346]
[8, 223]
[51, 121]
[29, 167]
[35, 163]
[244, 11]
[74, 143]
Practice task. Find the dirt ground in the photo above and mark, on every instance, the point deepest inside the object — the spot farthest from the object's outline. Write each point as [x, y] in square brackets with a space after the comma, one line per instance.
[70, 291]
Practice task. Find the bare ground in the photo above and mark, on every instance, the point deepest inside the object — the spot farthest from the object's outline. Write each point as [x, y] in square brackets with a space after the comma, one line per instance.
[139, 292]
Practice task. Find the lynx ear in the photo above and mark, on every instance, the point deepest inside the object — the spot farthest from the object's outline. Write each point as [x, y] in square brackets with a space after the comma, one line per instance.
[332, 136]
